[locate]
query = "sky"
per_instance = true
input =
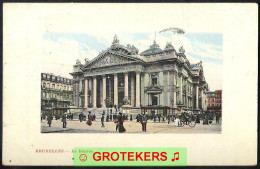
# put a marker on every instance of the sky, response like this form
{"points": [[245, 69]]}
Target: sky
{"points": [[61, 50]]}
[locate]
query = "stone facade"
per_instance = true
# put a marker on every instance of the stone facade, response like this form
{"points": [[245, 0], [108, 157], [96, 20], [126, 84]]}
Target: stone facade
{"points": [[154, 77], [56, 91]]}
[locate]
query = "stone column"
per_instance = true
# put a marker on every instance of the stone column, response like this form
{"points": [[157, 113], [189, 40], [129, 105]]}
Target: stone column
{"points": [[137, 89], [197, 96], [86, 93], [91, 88], [174, 93], [115, 90], [146, 84], [168, 91], [187, 93], [142, 90], [132, 91], [202, 99], [126, 84], [161, 83], [94, 92], [181, 100], [104, 91]]}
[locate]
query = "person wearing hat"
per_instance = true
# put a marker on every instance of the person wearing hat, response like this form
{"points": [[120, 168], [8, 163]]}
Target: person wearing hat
{"points": [[102, 119], [121, 123], [64, 120]]}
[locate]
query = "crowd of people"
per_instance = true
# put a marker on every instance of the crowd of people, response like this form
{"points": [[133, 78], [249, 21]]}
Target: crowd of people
{"points": [[118, 118]]}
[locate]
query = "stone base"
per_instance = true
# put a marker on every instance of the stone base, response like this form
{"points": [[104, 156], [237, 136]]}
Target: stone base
{"points": [[134, 112]]}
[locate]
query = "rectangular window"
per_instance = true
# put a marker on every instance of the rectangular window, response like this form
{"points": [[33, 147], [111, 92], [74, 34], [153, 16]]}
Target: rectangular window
{"points": [[154, 79]]}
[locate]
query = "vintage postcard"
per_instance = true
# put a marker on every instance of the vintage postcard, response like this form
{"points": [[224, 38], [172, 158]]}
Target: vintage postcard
{"points": [[129, 75]]}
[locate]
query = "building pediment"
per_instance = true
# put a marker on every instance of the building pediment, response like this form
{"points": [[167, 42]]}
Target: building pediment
{"points": [[110, 59]]}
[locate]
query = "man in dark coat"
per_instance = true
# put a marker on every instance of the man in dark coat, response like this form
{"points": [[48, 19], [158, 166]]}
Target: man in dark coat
{"points": [[154, 118], [159, 117], [49, 119], [143, 122], [217, 118], [107, 118], [102, 119], [121, 123], [197, 119], [64, 122], [81, 117], [131, 117], [71, 116], [111, 117], [169, 118], [163, 118]]}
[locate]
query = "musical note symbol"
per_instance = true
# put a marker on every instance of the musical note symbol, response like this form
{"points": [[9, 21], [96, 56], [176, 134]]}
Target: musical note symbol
{"points": [[177, 158]]}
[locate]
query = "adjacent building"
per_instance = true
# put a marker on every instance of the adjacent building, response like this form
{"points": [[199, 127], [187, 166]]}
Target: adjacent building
{"points": [[56, 91], [214, 101], [155, 77]]}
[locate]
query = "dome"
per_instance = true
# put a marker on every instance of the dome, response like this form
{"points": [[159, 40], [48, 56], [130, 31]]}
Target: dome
{"points": [[154, 49], [151, 51]]}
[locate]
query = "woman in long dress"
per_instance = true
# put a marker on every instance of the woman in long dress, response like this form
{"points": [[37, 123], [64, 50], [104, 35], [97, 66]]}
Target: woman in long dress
{"points": [[121, 123], [89, 122]]}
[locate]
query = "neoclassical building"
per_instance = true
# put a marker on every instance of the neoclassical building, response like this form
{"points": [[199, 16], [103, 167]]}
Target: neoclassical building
{"points": [[155, 77]]}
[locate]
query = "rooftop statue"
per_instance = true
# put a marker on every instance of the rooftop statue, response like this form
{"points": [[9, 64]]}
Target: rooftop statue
{"points": [[182, 50], [169, 46], [115, 40], [78, 62], [86, 60]]}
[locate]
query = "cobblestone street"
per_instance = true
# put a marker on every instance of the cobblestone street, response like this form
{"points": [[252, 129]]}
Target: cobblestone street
{"points": [[131, 127]]}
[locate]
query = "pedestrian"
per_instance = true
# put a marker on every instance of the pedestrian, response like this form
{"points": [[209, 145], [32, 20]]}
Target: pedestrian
{"points": [[144, 122], [177, 121], [163, 118], [64, 120], [102, 119], [169, 118], [94, 116], [81, 117], [159, 117], [49, 119], [107, 118], [89, 122], [131, 117], [110, 111], [71, 116], [217, 118], [110, 117], [154, 118], [206, 121], [197, 119], [121, 128]]}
